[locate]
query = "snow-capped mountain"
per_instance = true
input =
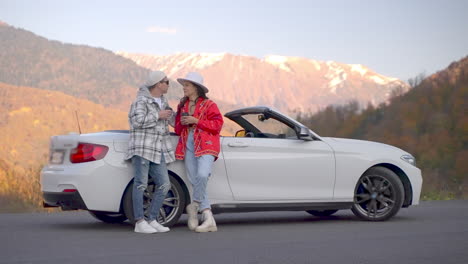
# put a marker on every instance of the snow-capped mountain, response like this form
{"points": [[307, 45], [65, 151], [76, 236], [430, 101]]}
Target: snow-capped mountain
{"points": [[287, 83]]}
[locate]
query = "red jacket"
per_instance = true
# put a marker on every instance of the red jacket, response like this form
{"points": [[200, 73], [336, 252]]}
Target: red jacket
{"points": [[206, 132]]}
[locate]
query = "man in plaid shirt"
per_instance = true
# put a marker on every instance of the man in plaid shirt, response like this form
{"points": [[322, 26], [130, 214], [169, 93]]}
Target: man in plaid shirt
{"points": [[150, 149]]}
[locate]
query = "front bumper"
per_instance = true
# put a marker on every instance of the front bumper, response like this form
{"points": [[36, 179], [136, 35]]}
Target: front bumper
{"points": [[67, 201]]}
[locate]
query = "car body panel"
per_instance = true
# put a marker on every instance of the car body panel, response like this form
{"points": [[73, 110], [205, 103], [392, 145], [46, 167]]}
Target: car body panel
{"points": [[354, 157], [293, 169]]}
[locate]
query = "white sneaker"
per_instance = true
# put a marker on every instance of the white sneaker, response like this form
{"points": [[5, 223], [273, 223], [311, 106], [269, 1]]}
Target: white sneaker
{"points": [[209, 224], [160, 228], [144, 228], [192, 211]]}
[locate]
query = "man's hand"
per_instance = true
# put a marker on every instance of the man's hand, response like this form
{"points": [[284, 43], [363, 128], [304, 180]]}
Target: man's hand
{"points": [[165, 114]]}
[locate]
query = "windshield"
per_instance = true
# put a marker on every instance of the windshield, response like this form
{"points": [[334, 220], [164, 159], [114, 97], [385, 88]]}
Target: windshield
{"points": [[266, 126]]}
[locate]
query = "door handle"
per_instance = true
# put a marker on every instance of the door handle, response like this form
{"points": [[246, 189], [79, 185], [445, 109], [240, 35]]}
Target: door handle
{"points": [[237, 144]]}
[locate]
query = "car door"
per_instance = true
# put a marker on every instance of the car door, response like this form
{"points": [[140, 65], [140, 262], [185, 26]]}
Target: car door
{"points": [[272, 165]]}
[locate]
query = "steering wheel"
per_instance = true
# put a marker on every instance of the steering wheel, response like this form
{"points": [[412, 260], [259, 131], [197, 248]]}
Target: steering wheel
{"points": [[249, 134]]}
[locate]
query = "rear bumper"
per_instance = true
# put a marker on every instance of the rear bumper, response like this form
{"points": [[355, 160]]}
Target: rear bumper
{"points": [[67, 201], [101, 186]]}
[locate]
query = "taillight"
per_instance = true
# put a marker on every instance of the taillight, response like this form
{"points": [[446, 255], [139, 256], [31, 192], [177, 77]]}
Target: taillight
{"points": [[86, 152]]}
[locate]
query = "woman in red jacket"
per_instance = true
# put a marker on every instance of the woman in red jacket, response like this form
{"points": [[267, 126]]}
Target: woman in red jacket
{"points": [[198, 123]]}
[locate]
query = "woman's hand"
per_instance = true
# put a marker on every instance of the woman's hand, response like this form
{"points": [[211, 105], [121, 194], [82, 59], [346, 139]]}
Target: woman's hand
{"points": [[188, 120]]}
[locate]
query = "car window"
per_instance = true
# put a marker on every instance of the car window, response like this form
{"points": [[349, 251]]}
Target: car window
{"points": [[270, 127], [229, 128]]}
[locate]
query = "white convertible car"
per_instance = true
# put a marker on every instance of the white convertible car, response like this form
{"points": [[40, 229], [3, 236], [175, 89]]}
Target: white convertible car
{"points": [[272, 163]]}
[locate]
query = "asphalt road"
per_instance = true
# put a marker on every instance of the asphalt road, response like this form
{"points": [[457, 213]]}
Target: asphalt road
{"points": [[433, 232]]}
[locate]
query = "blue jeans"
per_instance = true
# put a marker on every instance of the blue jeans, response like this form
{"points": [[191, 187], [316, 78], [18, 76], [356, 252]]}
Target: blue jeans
{"points": [[198, 171], [158, 172]]}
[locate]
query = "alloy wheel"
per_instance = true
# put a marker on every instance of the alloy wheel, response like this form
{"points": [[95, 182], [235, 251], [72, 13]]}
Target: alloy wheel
{"points": [[375, 196], [170, 205]]}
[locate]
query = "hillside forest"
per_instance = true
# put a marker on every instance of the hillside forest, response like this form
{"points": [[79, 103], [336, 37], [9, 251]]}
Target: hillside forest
{"points": [[430, 121]]}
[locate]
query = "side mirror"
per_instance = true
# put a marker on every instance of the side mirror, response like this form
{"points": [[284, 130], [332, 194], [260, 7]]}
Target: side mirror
{"points": [[240, 133], [305, 134]]}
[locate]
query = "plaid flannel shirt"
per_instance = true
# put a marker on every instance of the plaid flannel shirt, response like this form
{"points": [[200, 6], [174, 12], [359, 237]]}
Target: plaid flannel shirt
{"points": [[149, 136]]}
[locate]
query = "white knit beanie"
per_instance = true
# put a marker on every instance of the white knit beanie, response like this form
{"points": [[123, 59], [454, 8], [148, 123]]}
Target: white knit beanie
{"points": [[154, 77]]}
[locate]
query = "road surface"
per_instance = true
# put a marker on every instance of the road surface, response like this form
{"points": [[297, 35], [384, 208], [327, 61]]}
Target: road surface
{"points": [[433, 232]]}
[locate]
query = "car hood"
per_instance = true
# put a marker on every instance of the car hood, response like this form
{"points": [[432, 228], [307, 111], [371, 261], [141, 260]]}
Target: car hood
{"points": [[355, 145]]}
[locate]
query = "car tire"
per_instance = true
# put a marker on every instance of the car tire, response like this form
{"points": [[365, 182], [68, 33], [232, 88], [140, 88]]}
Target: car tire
{"points": [[321, 212], [173, 205], [378, 196], [108, 217]]}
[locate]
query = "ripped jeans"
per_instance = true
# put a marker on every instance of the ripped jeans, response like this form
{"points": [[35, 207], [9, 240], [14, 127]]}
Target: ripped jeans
{"points": [[198, 171], [158, 172]]}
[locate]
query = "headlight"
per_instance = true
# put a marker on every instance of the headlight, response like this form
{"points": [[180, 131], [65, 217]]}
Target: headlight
{"points": [[410, 159]]}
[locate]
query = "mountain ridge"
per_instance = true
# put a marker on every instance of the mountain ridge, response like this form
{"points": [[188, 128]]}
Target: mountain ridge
{"points": [[287, 83], [99, 75], [96, 74]]}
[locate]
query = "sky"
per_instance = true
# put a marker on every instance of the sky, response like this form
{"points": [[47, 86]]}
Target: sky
{"points": [[396, 38]]}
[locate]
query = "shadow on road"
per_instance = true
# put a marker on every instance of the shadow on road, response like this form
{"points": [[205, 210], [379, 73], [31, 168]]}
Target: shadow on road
{"points": [[227, 220], [93, 225]]}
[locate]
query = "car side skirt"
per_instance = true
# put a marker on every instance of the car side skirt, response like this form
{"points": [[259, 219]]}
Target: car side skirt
{"points": [[256, 207]]}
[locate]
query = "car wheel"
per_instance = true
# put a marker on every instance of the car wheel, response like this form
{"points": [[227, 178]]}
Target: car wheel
{"points": [[173, 205], [108, 217], [378, 195], [322, 212]]}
